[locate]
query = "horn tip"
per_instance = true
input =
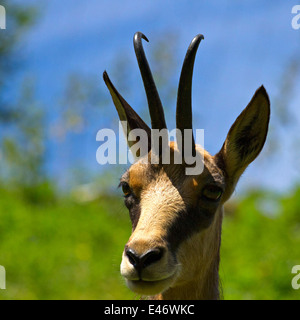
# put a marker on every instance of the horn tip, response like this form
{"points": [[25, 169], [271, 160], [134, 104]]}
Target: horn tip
{"points": [[198, 38], [139, 35]]}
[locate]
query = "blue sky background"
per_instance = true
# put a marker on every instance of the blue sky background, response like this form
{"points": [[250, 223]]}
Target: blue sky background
{"points": [[247, 43]]}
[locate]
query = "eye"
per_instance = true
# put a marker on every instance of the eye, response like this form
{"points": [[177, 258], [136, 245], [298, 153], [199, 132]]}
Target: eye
{"points": [[213, 193], [126, 189]]}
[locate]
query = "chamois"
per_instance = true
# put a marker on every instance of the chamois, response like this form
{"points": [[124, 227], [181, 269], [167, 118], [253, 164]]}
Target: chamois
{"points": [[174, 249]]}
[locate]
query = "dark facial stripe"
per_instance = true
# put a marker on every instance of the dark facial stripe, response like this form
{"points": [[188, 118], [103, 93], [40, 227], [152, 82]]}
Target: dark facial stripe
{"points": [[189, 222], [134, 208]]}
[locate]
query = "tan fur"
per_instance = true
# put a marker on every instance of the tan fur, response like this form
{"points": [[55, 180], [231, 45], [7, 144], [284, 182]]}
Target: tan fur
{"points": [[200, 279], [163, 193], [174, 249], [166, 193]]}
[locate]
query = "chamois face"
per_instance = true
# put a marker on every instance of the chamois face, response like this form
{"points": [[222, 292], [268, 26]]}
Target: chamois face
{"points": [[167, 209], [176, 217]]}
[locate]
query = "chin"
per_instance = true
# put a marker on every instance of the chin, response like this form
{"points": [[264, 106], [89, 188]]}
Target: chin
{"points": [[149, 288]]}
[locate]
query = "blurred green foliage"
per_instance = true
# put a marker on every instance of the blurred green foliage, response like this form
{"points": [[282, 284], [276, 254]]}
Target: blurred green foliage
{"points": [[260, 245], [60, 249], [57, 249]]}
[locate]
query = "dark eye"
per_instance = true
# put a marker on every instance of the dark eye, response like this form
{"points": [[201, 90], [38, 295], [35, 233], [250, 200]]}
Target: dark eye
{"points": [[213, 193], [126, 189]]}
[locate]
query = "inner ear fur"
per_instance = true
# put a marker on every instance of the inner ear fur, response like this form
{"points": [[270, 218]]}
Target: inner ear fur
{"points": [[246, 137]]}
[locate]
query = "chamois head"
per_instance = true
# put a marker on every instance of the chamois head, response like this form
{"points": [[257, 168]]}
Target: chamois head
{"points": [[176, 218]]}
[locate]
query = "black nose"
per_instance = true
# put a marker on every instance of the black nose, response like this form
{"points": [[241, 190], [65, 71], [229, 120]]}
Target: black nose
{"points": [[142, 261]]}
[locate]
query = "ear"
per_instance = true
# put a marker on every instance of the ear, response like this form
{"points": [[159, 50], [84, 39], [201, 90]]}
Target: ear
{"points": [[126, 113], [245, 138]]}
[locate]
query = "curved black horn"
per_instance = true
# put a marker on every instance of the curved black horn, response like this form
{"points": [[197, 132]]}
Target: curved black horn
{"points": [[184, 96], [155, 106]]}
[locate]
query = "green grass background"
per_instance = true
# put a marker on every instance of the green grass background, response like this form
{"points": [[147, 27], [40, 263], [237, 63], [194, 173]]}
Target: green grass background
{"points": [[59, 249]]}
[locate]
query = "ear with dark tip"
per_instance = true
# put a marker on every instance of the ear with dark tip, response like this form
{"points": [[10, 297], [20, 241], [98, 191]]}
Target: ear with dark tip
{"points": [[245, 138], [126, 113]]}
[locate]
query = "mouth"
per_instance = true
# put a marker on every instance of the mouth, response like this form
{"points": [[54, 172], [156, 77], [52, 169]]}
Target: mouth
{"points": [[146, 287]]}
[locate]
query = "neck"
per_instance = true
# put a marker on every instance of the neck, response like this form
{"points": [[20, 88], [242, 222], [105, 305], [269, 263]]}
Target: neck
{"points": [[204, 288], [205, 285]]}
